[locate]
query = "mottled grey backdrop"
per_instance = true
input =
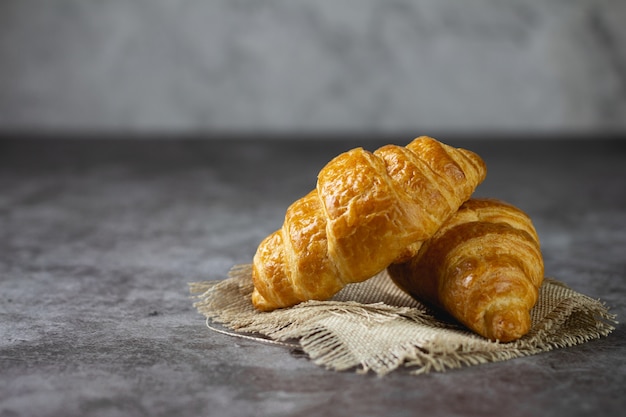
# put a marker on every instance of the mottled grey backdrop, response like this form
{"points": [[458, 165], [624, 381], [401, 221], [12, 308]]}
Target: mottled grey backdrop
{"points": [[313, 66]]}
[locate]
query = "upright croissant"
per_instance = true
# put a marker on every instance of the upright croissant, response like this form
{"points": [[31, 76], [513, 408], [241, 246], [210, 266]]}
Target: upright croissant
{"points": [[483, 266], [367, 210]]}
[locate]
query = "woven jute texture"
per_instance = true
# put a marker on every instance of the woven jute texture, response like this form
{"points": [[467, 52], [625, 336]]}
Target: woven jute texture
{"points": [[374, 326]]}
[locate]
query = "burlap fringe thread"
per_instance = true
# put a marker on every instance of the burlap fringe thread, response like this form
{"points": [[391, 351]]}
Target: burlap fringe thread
{"points": [[374, 326]]}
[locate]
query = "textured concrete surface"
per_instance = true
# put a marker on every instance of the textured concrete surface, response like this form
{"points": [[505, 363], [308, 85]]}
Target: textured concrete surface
{"points": [[98, 240], [327, 65]]}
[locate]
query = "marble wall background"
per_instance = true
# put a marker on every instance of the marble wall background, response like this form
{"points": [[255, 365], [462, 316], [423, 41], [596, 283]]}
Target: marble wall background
{"points": [[314, 66]]}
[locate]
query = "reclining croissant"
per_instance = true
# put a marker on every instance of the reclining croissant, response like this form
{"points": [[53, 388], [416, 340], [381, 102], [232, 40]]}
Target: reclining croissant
{"points": [[368, 210]]}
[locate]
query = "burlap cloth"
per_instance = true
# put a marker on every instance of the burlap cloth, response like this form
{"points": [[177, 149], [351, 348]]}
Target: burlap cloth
{"points": [[374, 326]]}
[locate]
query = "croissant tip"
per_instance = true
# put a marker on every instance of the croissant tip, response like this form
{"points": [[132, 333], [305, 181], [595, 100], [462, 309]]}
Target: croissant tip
{"points": [[259, 302], [507, 325]]}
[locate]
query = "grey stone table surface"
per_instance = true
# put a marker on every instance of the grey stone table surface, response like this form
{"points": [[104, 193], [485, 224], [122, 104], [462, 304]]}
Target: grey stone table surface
{"points": [[99, 238]]}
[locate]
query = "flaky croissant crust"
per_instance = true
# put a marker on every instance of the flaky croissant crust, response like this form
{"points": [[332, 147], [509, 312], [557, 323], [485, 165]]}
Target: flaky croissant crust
{"points": [[367, 210], [483, 266]]}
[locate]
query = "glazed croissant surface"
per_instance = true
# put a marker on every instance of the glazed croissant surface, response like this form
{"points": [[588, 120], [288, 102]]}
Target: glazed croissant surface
{"points": [[368, 209], [483, 266]]}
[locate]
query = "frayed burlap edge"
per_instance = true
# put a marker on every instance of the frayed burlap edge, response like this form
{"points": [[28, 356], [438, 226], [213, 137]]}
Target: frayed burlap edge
{"points": [[373, 326]]}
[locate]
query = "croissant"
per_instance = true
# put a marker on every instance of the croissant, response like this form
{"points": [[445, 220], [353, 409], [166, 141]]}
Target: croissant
{"points": [[366, 211], [483, 266]]}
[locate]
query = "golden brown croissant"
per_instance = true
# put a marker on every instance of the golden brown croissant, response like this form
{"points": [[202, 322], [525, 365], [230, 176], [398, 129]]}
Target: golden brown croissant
{"points": [[483, 266], [366, 209]]}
